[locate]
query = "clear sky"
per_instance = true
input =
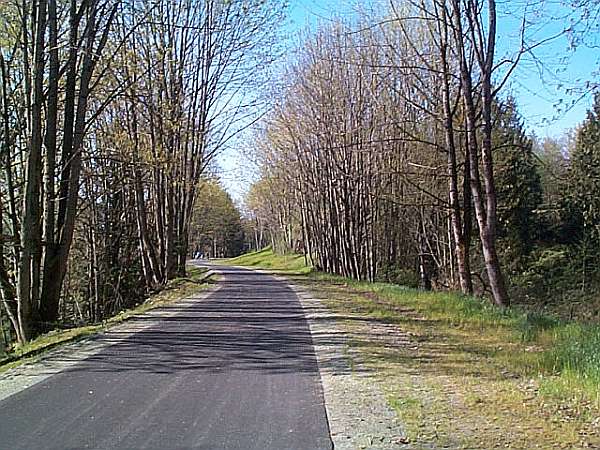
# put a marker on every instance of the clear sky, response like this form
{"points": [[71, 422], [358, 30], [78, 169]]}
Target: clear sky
{"points": [[547, 86], [538, 83], [550, 84]]}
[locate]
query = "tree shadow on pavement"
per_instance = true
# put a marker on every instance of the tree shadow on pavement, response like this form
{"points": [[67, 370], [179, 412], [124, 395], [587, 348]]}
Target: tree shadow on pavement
{"points": [[252, 323]]}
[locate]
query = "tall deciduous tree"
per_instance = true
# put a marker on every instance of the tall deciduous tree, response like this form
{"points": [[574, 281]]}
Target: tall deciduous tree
{"points": [[46, 96], [143, 93], [216, 229]]}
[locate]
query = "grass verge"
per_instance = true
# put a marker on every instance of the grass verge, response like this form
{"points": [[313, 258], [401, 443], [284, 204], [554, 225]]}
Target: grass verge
{"points": [[176, 289], [266, 259], [460, 372]]}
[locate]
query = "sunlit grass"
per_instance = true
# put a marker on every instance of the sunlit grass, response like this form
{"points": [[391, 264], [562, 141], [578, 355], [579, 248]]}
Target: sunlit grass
{"points": [[267, 259], [478, 376], [563, 355], [546, 345]]}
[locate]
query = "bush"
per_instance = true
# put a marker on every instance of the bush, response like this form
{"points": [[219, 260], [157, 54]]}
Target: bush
{"points": [[396, 274]]}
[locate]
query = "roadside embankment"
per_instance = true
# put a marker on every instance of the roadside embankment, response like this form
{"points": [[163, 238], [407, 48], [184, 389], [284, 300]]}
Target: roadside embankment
{"points": [[459, 372]]}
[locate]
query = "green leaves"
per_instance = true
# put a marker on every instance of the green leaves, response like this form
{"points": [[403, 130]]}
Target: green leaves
{"points": [[216, 230], [584, 173]]}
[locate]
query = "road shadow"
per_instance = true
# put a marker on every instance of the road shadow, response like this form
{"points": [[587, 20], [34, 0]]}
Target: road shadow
{"points": [[254, 322]]}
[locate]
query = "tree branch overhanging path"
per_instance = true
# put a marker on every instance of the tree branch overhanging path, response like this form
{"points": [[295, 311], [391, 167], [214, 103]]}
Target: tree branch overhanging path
{"points": [[111, 107]]}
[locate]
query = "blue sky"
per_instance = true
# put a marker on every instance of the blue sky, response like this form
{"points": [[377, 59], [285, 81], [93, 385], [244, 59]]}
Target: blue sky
{"points": [[542, 85], [536, 86], [549, 85]]}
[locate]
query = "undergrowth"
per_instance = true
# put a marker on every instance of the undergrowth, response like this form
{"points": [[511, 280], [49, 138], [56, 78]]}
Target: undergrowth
{"points": [[564, 354], [176, 289]]}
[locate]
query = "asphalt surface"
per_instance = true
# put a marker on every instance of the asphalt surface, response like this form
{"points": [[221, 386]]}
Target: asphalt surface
{"points": [[236, 370]]}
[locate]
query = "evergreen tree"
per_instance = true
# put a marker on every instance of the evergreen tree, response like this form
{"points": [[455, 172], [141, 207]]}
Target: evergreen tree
{"points": [[553, 166], [583, 202], [518, 183]]}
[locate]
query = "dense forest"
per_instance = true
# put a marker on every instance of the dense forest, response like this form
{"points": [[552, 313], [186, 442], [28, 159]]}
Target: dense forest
{"points": [[390, 150], [395, 153], [112, 112]]}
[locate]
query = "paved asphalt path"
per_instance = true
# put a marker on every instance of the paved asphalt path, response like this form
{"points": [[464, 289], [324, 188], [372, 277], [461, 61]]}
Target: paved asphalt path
{"points": [[235, 370]]}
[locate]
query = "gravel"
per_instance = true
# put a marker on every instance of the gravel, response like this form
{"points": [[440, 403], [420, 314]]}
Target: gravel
{"points": [[49, 363], [358, 411]]}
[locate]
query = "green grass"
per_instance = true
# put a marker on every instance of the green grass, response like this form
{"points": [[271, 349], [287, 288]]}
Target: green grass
{"points": [[267, 259], [176, 289], [568, 349], [575, 356], [510, 377]]}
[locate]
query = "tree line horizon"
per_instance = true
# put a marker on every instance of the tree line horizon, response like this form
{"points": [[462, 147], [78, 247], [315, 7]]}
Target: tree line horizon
{"points": [[388, 150]]}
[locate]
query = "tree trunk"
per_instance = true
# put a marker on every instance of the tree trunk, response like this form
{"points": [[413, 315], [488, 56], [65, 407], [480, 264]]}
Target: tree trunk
{"points": [[28, 289], [485, 207]]}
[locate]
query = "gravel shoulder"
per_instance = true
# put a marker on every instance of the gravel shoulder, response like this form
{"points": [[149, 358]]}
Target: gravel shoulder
{"points": [[64, 356], [358, 411]]}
